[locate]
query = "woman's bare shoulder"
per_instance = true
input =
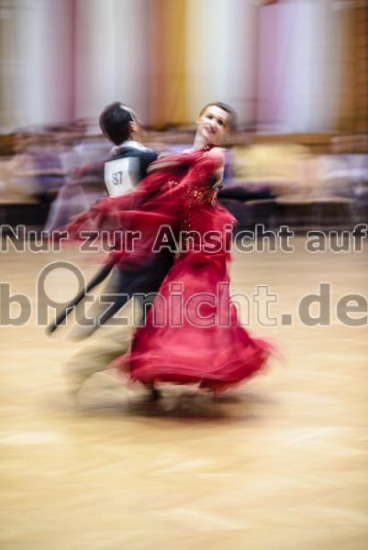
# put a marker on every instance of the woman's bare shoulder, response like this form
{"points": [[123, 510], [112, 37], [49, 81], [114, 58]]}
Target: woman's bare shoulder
{"points": [[217, 153]]}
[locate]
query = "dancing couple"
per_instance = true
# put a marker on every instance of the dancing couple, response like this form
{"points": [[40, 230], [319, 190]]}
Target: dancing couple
{"points": [[191, 333]]}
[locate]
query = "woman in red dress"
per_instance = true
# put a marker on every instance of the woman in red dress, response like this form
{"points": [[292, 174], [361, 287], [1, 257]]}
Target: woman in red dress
{"points": [[192, 334]]}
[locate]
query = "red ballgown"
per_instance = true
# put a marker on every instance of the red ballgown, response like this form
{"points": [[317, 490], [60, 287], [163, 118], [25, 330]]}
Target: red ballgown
{"points": [[192, 332]]}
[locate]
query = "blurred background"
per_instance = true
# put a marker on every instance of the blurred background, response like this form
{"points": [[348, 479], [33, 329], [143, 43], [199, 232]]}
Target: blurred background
{"points": [[295, 71]]}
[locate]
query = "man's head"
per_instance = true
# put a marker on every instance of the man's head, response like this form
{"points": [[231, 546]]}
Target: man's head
{"points": [[118, 122]]}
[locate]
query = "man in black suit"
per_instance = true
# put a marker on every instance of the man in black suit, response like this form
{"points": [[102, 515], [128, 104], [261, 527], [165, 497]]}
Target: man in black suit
{"points": [[123, 169]]}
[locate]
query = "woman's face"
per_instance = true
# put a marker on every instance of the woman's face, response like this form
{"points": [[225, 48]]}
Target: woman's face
{"points": [[213, 124]]}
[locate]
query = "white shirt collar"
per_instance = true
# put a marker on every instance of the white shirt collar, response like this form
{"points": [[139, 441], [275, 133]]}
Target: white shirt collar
{"points": [[129, 143]]}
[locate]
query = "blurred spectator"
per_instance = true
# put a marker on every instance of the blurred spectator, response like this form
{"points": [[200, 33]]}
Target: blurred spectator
{"points": [[343, 172], [79, 192], [259, 173], [36, 169]]}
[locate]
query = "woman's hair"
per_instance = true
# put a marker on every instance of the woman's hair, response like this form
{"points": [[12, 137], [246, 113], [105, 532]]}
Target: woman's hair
{"points": [[115, 122], [225, 107]]}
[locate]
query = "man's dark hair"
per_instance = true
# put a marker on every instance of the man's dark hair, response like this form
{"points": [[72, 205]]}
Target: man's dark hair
{"points": [[225, 107], [115, 122]]}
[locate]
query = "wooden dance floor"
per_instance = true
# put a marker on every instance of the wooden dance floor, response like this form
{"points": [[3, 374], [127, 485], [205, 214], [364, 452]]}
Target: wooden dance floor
{"points": [[279, 463]]}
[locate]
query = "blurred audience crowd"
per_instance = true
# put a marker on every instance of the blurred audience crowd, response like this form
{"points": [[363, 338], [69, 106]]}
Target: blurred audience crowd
{"points": [[270, 180]]}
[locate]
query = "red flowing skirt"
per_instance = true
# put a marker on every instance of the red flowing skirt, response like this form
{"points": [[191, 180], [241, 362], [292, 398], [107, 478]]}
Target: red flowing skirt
{"points": [[192, 333]]}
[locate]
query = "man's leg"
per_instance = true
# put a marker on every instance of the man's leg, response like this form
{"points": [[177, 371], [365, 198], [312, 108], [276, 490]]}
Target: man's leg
{"points": [[112, 298], [122, 286], [95, 356]]}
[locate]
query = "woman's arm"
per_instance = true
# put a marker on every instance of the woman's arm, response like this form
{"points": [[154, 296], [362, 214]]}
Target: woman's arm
{"points": [[217, 154], [181, 160]]}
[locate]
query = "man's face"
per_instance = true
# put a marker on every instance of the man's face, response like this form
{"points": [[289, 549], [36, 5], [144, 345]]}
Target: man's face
{"points": [[136, 123]]}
